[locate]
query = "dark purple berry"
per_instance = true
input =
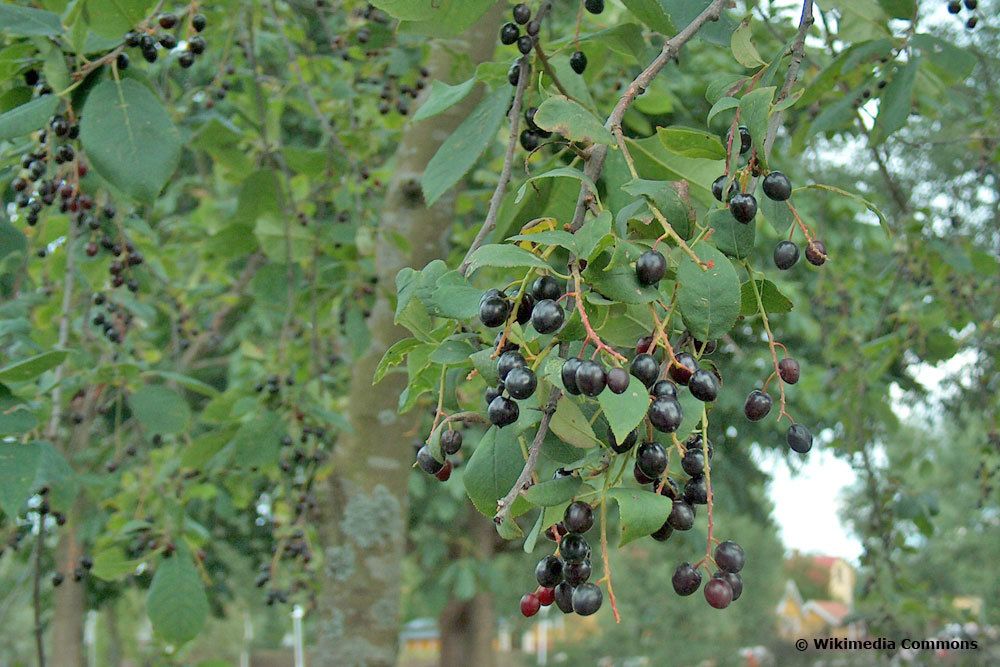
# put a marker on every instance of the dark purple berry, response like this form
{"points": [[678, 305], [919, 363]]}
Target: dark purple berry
{"points": [[651, 460], [730, 557], [704, 386], [502, 411], [786, 254], [743, 206], [799, 438], [777, 186], [625, 445], [666, 414], [591, 378], [509, 34], [757, 405], [618, 380], [686, 579], [549, 572], [579, 517], [645, 368], [789, 370], [547, 316], [568, 375], [574, 548], [587, 599], [718, 592], [521, 383], [650, 268], [682, 368], [578, 61], [816, 253], [546, 287]]}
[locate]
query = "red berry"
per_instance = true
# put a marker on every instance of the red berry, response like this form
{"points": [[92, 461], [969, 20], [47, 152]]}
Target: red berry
{"points": [[546, 596], [530, 604]]}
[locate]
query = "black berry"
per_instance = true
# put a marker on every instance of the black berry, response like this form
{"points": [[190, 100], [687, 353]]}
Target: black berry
{"points": [[578, 61], [686, 579], [650, 268], [665, 414], [789, 370], [579, 517], [681, 515], [730, 556], [617, 380], [743, 206], [502, 411], [521, 383], [590, 378], [799, 438], [574, 548], [777, 186], [525, 43], [564, 598], [816, 253], [427, 462], [577, 573], [451, 442], [682, 368], [719, 189], [696, 491], [587, 599], [546, 287], [549, 572], [786, 254], [735, 582], [522, 13], [507, 362], [509, 34], [651, 460], [645, 368], [664, 389], [693, 462], [494, 311], [547, 316], [757, 405], [704, 386], [594, 6], [529, 140], [568, 374]]}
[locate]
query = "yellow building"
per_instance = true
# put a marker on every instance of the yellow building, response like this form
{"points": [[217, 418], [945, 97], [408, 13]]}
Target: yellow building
{"points": [[820, 617]]}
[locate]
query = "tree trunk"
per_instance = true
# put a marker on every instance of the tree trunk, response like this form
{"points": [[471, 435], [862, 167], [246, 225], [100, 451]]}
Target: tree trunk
{"points": [[364, 531], [68, 607], [468, 627]]}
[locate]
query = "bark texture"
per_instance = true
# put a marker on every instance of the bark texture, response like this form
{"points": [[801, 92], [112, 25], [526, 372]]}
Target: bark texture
{"points": [[364, 530]]}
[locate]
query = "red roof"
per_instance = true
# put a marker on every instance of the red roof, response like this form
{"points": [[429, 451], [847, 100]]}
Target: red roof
{"points": [[835, 609]]}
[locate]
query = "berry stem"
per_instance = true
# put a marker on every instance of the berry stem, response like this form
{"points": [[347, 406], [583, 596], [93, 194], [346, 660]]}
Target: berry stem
{"points": [[799, 222], [605, 562], [771, 344], [504, 504], [708, 482], [592, 336]]}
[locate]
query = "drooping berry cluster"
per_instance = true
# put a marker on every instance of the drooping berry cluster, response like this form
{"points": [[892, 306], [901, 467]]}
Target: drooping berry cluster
{"points": [[955, 7], [149, 40], [563, 578]]}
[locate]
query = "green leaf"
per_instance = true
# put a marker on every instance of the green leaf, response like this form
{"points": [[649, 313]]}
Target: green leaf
{"points": [[492, 470], [454, 297], [394, 356], [129, 138], [591, 236], [461, 150], [504, 256], [452, 352], [186, 381], [28, 117], [625, 411], [895, 102], [25, 468], [776, 213], [743, 49], [563, 115], [176, 604], [443, 97], [111, 564], [17, 420], [858, 198], [723, 104], [690, 142], [731, 237], [560, 172], [663, 195], [113, 18], [32, 367], [160, 409], [653, 14], [641, 512], [257, 443], [616, 280], [755, 110], [553, 491], [438, 18], [27, 21], [570, 424], [709, 300], [772, 298]]}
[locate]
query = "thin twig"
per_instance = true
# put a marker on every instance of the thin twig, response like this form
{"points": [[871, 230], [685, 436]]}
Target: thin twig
{"points": [[63, 339], [508, 164], [798, 52], [505, 504], [36, 592], [595, 165]]}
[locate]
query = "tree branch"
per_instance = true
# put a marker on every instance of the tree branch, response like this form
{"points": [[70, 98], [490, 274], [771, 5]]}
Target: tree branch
{"points": [[36, 592], [508, 164], [798, 51], [505, 504], [595, 165]]}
